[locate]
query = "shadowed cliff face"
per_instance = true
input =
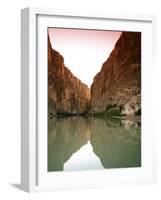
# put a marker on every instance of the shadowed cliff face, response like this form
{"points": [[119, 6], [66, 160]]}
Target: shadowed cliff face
{"points": [[119, 81], [117, 87], [66, 93]]}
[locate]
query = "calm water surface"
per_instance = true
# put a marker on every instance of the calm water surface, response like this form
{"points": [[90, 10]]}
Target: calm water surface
{"points": [[81, 143]]}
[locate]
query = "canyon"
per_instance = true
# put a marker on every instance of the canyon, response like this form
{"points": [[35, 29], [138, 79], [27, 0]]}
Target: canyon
{"points": [[116, 89], [67, 95]]}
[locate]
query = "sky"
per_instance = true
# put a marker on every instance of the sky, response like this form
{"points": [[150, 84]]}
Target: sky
{"points": [[84, 51]]}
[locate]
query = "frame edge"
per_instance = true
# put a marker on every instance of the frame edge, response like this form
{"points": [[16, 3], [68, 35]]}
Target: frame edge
{"points": [[25, 99]]}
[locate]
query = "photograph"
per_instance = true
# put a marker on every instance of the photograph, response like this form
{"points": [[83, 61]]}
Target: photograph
{"points": [[94, 99]]}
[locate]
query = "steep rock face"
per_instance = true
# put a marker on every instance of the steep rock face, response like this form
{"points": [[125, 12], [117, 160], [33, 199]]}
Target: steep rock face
{"points": [[119, 80], [66, 93], [133, 106]]}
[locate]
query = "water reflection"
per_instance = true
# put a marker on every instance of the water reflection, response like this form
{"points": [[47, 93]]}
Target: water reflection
{"points": [[80, 143], [116, 146], [66, 135]]}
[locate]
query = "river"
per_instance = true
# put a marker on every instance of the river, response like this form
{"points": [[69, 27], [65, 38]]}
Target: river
{"points": [[90, 143]]}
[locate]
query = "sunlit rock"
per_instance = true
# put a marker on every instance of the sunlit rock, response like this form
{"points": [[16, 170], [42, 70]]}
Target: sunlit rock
{"points": [[133, 106], [119, 79]]}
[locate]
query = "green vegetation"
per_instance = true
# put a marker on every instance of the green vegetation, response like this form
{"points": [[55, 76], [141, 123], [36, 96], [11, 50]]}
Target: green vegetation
{"points": [[114, 111]]}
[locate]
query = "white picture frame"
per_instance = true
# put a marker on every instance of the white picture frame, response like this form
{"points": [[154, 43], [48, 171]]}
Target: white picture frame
{"points": [[34, 22]]}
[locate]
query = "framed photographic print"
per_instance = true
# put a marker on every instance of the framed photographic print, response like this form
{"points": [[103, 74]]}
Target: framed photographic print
{"points": [[86, 99]]}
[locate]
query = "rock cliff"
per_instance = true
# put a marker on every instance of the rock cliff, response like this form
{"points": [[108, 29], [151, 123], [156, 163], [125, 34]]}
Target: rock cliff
{"points": [[66, 93], [118, 84]]}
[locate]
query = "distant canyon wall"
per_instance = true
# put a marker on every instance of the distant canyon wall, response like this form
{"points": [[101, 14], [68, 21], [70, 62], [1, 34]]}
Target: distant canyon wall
{"points": [[118, 84], [66, 93]]}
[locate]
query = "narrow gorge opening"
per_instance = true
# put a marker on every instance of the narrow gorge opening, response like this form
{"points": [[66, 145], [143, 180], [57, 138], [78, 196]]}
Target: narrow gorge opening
{"points": [[94, 101], [112, 88]]}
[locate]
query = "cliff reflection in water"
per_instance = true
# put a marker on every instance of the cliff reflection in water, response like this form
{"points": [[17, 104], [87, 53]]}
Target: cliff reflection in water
{"points": [[117, 143]]}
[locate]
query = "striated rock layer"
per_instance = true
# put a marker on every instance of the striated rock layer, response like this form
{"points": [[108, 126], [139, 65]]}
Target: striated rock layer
{"points": [[66, 93], [118, 84]]}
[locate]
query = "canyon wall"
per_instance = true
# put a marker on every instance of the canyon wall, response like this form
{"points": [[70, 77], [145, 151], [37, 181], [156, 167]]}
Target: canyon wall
{"points": [[118, 84], [66, 93]]}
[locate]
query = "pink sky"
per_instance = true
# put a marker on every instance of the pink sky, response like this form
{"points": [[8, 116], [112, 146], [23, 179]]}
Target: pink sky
{"points": [[84, 51]]}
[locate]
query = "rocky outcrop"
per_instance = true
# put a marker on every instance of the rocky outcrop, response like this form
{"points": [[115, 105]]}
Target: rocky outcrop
{"points": [[118, 84], [66, 93], [133, 106]]}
